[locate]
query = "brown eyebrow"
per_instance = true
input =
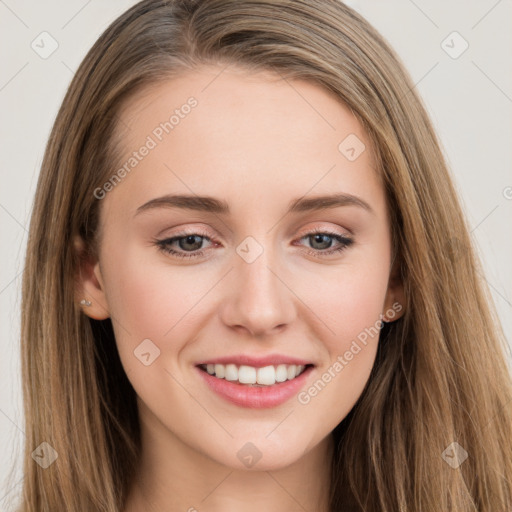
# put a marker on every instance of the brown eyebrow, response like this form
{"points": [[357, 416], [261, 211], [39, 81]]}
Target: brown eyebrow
{"points": [[212, 205]]}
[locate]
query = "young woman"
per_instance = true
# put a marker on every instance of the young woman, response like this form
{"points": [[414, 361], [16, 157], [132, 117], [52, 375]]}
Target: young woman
{"points": [[249, 283]]}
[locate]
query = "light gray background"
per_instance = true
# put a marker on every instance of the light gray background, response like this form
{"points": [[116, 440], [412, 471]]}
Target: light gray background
{"points": [[469, 99]]}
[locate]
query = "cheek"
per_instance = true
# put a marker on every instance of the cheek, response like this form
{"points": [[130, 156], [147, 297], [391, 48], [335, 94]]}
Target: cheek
{"points": [[349, 311], [147, 299], [348, 302], [147, 296], [156, 303]]}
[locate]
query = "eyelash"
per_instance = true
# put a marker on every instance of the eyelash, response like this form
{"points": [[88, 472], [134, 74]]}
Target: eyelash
{"points": [[164, 245]]}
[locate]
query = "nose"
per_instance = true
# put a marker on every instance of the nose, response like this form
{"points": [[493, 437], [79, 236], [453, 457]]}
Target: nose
{"points": [[258, 299]]}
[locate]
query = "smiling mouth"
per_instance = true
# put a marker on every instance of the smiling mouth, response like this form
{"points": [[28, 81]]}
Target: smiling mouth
{"points": [[252, 376]]}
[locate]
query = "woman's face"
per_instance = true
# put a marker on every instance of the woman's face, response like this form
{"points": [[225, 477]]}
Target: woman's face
{"points": [[249, 277]]}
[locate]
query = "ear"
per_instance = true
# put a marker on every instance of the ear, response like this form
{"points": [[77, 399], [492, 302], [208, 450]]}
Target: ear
{"points": [[89, 288], [394, 303]]}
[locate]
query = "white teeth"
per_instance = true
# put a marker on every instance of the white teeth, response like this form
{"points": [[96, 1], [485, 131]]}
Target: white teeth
{"points": [[247, 375], [265, 376], [220, 371], [281, 373], [231, 372]]}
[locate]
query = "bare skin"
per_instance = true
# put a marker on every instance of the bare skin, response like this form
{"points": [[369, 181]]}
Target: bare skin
{"points": [[257, 143]]}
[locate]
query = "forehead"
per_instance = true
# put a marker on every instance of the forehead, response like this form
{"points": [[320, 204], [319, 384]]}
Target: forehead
{"points": [[243, 98], [247, 135]]}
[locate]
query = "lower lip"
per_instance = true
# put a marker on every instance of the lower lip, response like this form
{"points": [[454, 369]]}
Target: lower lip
{"points": [[254, 397]]}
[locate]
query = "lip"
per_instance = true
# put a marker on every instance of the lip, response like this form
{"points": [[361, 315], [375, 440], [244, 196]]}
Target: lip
{"points": [[254, 397], [257, 362]]}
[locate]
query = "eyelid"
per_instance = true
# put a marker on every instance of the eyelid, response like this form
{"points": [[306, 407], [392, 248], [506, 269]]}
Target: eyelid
{"points": [[326, 230], [302, 233], [343, 243], [187, 230]]}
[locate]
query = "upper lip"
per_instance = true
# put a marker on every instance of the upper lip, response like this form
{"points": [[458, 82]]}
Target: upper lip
{"points": [[257, 361]]}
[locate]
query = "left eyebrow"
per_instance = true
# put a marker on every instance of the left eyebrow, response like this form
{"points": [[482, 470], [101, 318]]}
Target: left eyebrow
{"points": [[326, 202], [213, 205]]}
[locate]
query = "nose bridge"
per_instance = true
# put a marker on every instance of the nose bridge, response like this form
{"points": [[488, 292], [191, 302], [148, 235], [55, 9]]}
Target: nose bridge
{"points": [[258, 300]]}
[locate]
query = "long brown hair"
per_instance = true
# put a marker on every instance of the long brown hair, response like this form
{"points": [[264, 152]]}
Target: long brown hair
{"points": [[440, 374]]}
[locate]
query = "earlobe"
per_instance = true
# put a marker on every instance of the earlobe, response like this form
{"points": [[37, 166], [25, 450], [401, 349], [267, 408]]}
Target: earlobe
{"points": [[89, 289], [394, 304], [393, 310]]}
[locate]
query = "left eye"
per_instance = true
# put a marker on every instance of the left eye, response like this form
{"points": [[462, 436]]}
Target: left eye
{"points": [[191, 243], [320, 237]]}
